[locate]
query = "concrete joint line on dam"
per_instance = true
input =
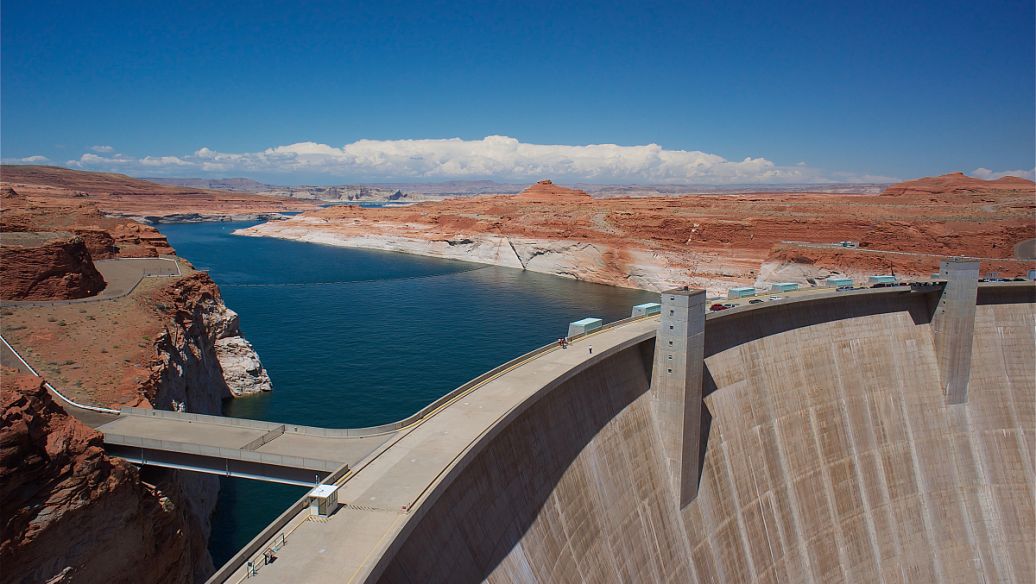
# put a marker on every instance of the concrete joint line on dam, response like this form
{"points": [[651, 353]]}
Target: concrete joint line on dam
{"points": [[953, 327], [676, 390]]}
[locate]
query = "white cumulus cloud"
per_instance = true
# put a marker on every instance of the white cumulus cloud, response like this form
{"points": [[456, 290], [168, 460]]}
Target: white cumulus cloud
{"points": [[102, 149], [35, 159], [986, 174], [493, 157]]}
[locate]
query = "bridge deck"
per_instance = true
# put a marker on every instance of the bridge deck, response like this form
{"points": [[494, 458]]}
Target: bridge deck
{"points": [[233, 447], [182, 431]]}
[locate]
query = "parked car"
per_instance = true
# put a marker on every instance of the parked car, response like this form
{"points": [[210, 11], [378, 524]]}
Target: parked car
{"points": [[717, 307], [729, 305], [756, 301], [776, 298]]}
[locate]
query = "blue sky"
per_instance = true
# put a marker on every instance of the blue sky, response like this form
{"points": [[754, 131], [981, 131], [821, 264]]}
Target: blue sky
{"points": [[686, 92]]}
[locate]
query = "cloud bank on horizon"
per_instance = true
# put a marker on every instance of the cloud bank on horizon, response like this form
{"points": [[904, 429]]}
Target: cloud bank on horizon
{"points": [[493, 157]]}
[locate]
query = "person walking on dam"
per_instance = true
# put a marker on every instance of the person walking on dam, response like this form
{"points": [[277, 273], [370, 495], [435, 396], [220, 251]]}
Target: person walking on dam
{"points": [[591, 347]]}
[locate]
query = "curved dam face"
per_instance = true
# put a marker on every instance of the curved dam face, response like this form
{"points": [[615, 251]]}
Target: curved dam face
{"points": [[830, 455]]}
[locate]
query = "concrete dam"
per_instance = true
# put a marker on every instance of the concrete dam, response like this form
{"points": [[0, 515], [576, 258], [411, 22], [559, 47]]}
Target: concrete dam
{"points": [[829, 445]]}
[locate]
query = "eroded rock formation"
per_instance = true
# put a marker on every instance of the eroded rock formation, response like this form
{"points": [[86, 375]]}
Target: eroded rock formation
{"points": [[70, 513], [47, 266]]}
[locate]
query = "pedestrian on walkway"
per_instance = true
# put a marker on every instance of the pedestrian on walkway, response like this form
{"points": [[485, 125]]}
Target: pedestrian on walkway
{"points": [[591, 347]]}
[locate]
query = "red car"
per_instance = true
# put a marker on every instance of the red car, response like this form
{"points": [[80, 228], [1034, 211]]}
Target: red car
{"points": [[717, 306]]}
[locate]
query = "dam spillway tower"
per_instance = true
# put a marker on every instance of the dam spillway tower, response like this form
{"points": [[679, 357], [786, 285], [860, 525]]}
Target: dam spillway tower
{"points": [[676, 386], [953, 327]]}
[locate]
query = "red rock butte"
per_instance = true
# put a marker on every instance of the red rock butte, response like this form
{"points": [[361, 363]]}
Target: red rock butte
{"points": [[545, 191], [956, 183]]}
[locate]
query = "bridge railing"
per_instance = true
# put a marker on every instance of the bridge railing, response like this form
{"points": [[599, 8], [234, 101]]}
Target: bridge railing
{"points": [[53, 389]]}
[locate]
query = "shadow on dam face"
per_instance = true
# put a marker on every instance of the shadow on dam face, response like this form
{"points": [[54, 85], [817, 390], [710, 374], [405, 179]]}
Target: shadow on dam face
{"points": [[492, 507], [829, 454]]}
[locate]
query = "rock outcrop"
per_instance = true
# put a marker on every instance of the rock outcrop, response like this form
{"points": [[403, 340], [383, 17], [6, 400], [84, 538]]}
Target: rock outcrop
{"points": [[545, 191], [958, 183], [242, 370], [47, 266], [201, 358], [72, 514]]}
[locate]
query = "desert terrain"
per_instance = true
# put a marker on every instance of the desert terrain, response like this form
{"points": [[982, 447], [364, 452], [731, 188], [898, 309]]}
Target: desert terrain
{"points": [[709, 241], [119, 195]]}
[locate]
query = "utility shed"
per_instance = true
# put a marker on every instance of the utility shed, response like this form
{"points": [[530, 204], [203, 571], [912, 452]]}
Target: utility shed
{"points": [[646, 309], [839, 282], [323, 500], [587, 325], [886, 279], [741, 292], [784, 287]]}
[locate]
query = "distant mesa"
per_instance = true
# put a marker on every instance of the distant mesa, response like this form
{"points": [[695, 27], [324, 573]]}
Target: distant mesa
{"points": [[545, 191], [958, 183]]}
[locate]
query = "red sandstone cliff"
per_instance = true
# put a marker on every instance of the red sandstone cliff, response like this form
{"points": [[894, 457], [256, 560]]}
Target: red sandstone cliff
{"points": [[72, 514], [47, 266]]}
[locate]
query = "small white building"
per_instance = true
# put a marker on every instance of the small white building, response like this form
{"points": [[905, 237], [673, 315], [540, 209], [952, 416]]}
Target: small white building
{"points": [[882, 279], [783, 287], [323, 500]]}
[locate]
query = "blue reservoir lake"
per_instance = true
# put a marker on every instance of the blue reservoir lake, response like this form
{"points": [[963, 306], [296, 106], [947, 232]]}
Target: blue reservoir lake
{"points": [[356, 338]]}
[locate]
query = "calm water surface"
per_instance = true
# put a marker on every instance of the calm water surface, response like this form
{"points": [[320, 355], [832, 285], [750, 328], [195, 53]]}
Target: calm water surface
{"points": [[358, 338]]}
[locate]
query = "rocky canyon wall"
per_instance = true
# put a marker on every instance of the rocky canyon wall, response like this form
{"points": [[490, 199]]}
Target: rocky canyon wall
{"points": [[70, 513]]}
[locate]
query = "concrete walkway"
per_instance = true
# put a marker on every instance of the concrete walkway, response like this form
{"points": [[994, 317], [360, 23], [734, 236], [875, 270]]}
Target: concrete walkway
{"points": [[381, 492]]}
